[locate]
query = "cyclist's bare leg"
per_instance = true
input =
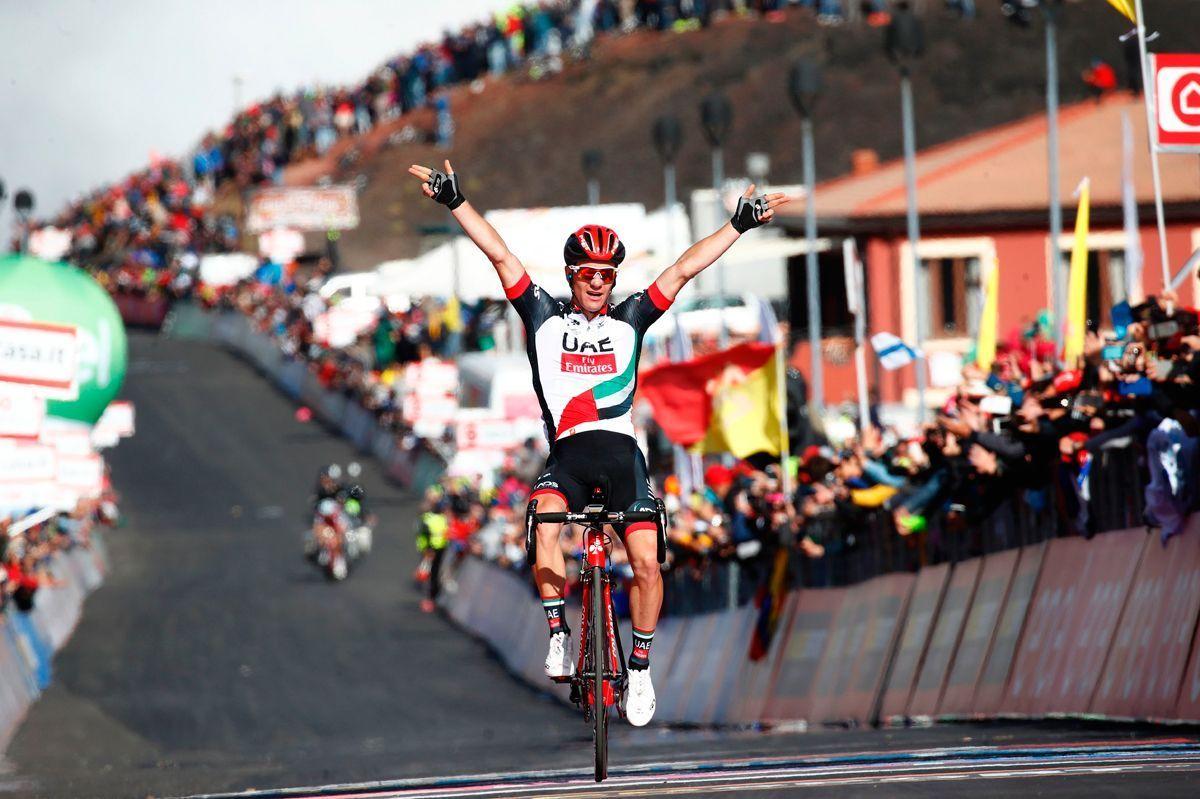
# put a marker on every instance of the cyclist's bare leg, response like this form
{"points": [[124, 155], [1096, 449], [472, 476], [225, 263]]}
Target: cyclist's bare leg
{"points": [[550, 568], [645, 596]]}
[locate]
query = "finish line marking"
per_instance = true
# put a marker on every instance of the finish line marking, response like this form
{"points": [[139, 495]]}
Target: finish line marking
{"points": [[947, 764]]}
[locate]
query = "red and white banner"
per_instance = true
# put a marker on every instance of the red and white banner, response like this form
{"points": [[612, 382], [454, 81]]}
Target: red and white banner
{"points": [[21, 463], [21, 412], [1177, 100], [39, 355], [315, 209], [67, 437], [81, 473], [115, 423]]}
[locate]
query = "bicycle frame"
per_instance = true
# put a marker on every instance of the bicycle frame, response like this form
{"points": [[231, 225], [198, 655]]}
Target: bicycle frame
{"points": [[615, 676]]}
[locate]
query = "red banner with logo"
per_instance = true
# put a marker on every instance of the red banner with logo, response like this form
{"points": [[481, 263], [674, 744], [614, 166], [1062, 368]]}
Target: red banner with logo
{"points": [[944, 641], [1150, 651], [1078, 601], [918, 624], [803, 634], [978, 633]]}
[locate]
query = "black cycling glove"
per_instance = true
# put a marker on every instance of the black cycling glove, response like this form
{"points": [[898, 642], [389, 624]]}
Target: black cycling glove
{"points": [[749, 214], [445, 190]]}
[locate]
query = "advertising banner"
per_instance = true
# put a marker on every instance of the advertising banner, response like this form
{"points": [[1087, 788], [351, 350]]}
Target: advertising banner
{"points": [[310, 208], [693, 653], [40, 357], [944, 642], [27, 462], [709, 699], [918, 623], [1149, 652], [803, 633], [989, 694], [60, 294], [855, 672], [21, 412], [1079, 598], [978, 631]]}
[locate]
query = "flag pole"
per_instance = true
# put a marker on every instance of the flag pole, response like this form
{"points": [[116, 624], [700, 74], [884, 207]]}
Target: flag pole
{"points": [[857, 300], [1148, 95], [785, 455]]}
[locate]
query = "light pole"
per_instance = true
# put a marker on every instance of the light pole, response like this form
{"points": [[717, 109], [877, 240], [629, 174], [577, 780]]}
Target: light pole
{"points": [[23, 202], [1018, 14], [804, 84], [716, 117], [593, 161], [668, 138], [904, 42]]}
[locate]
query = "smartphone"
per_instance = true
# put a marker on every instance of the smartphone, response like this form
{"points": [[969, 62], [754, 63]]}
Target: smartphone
{"points": [[1112, 352], [1163, 330]]}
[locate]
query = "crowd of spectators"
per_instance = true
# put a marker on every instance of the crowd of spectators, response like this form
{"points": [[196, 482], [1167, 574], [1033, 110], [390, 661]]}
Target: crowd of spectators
{"points": [[1076, 451], [27, 554], [144, 235]]}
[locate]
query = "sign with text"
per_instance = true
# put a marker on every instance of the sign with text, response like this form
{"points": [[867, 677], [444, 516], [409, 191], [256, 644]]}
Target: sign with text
{"points": [[314, 209], [44, 357], [1177, 101], [27, 462], [21, 412]]}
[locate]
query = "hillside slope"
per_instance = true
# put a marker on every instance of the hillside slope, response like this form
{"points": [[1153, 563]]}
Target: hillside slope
{"points": [[519, 141]]}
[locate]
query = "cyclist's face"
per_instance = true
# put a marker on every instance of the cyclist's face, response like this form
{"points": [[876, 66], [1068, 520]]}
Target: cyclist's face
{"points": [[592, 285]]}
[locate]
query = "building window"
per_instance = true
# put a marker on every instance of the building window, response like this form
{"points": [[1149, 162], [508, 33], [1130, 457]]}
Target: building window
{"points": [[836, 319], [1105, 284], [954, 297]]}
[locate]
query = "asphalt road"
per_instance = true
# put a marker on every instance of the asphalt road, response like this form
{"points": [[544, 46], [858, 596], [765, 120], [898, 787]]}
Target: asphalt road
{"points": [[215, 660]]}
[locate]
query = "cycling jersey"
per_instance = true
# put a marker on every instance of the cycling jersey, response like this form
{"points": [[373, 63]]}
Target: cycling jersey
{"points": [[584, 371]]}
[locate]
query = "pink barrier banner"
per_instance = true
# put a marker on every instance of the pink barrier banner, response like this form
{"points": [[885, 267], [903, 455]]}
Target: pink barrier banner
{"points": [[851, 677], [943, 643], [802, 635], [1074, 614], [690, 672], [753, 681], [989, 694], [918, 624], [1150, 651], [729, 644], [978, 633], [668, 635]]}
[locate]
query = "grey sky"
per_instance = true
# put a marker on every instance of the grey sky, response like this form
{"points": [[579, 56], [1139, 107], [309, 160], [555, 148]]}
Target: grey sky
{"points": [[88, 88]]}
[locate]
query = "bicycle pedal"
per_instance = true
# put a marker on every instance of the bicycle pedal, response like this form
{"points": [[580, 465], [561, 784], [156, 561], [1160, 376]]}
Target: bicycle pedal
{"points": [[561, 680]]}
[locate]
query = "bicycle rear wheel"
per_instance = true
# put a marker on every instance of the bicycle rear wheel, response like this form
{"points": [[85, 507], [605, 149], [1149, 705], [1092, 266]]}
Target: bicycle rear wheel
{"points": [[599, 644]]}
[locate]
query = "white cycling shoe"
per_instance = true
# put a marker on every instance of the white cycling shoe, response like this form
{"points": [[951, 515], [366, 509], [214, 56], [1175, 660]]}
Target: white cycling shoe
{"points": [[639, 698], [559, 660]]}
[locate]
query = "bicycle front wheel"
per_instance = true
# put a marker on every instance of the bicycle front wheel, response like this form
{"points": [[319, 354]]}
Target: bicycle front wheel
{"points": [[599, 643]]}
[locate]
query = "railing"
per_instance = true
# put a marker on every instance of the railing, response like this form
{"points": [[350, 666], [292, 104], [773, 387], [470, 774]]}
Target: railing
{"points": [[870, 545]]}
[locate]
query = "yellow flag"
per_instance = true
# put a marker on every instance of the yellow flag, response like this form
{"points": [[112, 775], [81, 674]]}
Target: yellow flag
{"points": [[1077, 284], [1126, 7], [985, 348], [745, 417]]}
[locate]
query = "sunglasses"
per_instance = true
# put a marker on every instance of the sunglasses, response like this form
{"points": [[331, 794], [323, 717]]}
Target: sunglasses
{"points": [[607, 275]]}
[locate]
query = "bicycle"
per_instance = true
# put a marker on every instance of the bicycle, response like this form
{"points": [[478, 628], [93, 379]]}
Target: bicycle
{"points": [[596, 688]]}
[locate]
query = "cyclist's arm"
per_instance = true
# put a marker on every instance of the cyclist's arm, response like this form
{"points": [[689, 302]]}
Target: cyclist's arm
{"points": [[696, 259], [478, 230], [704, 253]]}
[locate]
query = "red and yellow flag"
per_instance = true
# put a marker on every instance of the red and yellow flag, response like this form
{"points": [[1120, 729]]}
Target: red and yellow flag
{"points": [[724, 402]]}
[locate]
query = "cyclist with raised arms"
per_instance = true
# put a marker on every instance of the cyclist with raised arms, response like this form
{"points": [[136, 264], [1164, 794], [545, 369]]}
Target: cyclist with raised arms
{"points": [[584, 354]]}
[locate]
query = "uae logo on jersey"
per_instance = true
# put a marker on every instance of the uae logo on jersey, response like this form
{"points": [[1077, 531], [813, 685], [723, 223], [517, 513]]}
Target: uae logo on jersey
{"points": [[587, 357]]}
